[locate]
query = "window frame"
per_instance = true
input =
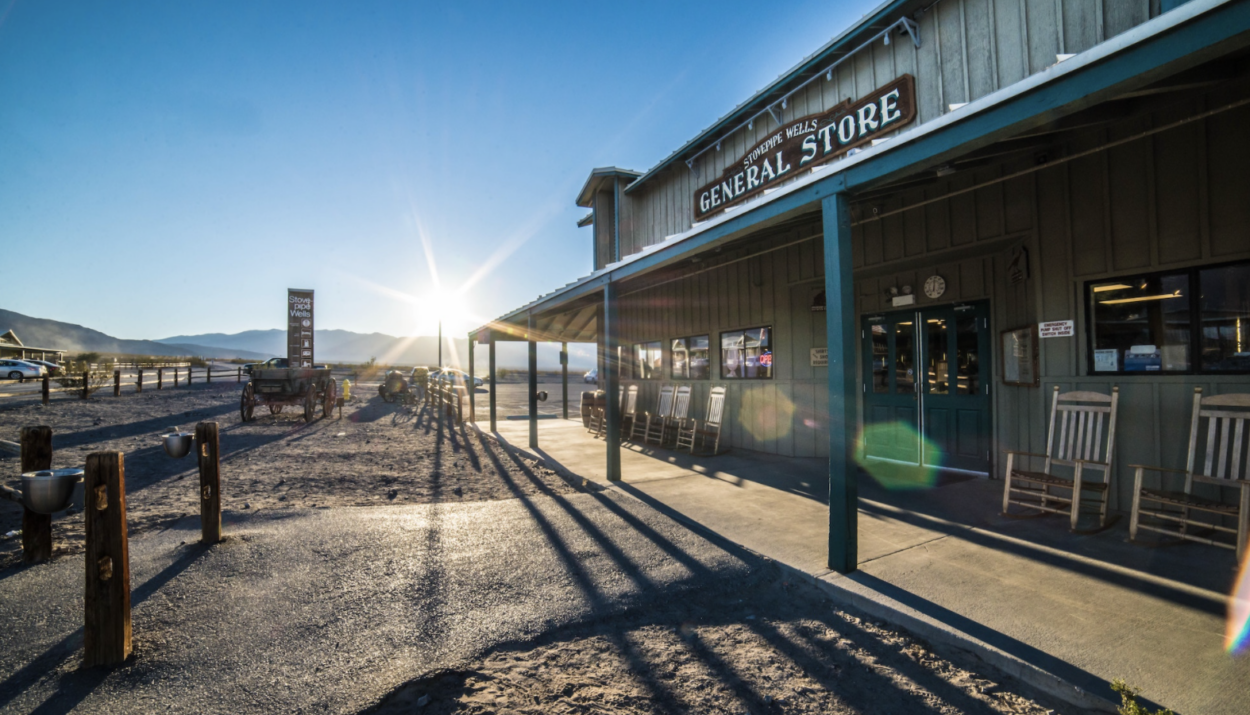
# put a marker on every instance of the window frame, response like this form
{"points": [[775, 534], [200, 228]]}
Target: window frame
{"points": [[672, 363], [720, 350], [636, 360], [1193, 276]]}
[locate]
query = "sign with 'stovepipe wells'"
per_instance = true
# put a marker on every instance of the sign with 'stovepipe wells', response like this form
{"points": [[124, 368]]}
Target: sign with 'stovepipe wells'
{"points": [[299, 327], [808, 142]]}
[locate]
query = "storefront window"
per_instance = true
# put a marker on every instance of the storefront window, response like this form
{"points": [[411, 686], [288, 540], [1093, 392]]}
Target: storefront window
{"points": [[747, 354], [1150, 323], [880, 359], [690, 358], [1224, 318], [647, 361], [904, 374]]}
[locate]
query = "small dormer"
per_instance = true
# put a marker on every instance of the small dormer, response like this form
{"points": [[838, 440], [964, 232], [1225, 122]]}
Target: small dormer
{"points": [[602, 195]]}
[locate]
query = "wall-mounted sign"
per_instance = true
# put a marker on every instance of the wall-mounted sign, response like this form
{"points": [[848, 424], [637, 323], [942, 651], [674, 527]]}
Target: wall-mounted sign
{"points": [[820, 357], [1056, 329], [299, 327], [1018, 351], [807, 142]]}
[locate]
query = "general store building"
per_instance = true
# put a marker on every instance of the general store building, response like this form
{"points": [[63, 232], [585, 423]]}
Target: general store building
{"points": [[868, 246]]}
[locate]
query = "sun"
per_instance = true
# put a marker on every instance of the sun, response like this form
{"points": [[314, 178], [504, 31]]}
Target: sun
{"points": [[443, 306]]}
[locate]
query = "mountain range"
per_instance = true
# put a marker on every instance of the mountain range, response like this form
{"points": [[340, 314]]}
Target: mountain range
{"points": [[335, 346], [45, 333]]}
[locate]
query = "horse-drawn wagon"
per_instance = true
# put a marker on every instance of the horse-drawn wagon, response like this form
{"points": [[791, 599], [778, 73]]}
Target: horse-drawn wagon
{"points": [[276, 388]]}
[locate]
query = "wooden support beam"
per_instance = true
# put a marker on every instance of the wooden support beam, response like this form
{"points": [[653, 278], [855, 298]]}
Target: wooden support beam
{"points": [[532, 343], [564, 375], [175, 377], [609, 337], [46, 390], [107, 630], [139, 381], [492, 382], [843, 418], [117, 383], [160, 378], [36, 528], [472, 390], [208, 453]]}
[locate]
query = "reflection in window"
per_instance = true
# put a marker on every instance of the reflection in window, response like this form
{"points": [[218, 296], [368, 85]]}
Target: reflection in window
{"points": [[1142, 324], [747, 354], [904, 374], [690, 358], [1224, 338], [967, 365], [647, 361], [937, 364], [880, 360]]}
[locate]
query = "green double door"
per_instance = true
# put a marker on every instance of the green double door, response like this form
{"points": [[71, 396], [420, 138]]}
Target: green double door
{"points": [[927, 386]]}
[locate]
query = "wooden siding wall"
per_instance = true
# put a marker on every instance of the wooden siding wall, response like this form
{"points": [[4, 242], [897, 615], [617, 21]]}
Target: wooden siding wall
{"points": [[969, 48]]}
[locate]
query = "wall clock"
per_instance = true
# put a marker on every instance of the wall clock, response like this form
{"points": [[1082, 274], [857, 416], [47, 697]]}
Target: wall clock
{"points": [[935, 286]]}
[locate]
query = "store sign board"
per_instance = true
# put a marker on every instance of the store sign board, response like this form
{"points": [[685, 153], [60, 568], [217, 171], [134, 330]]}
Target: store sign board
{"points": [[1056, 329], [299, 327], [820, 357], [808, 142]]}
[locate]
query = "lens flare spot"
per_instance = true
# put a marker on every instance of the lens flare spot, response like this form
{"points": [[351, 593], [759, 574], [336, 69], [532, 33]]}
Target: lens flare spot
{"points": [[766, 417], [884, 448], [1237, 632]]}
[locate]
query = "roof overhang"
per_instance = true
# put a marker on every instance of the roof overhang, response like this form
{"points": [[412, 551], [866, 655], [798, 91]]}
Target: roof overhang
{"points": [[1194, 33], [598, 177], [586, 220]]}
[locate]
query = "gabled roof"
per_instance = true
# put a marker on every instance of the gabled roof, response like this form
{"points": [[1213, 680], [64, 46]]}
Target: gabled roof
{"points": [[10, 338], [597, 177]]}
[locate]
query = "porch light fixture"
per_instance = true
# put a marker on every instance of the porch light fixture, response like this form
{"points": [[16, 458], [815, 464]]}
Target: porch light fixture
{"points": [[1140, 299]]}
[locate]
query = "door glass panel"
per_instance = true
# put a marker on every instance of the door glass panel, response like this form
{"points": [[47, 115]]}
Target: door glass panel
{"points": [[968, 377], [935, 357], [904, 369], [880, 359]]}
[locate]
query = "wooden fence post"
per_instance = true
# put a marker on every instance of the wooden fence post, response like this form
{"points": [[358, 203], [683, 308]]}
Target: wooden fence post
{"points": [[208, 374], [190, 373], [117, 382], [208, 453], [139, 381], [106, 632], [160, 378], [36, 528], [47, 391], [239, 378], [86, 384], [175, 377]]}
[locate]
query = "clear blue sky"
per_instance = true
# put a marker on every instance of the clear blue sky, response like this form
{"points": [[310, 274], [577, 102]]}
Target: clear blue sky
{"points": [[172, 167]]}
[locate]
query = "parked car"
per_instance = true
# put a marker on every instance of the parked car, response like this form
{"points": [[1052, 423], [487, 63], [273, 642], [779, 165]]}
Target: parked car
{"points": [[591, 375], [20, 369], [53, 368], [271, 362], [454, 376]]}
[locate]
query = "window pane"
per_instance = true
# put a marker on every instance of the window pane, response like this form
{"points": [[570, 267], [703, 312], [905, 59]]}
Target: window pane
{"points": [[880, 360], [758, 354], [681, 359], [967, 361], [936, 361], [1224, 341], [698, 357], [1142, 324], [654, 368], [904, 375], [731, 360]]}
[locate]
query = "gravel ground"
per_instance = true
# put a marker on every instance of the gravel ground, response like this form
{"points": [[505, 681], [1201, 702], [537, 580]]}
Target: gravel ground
{"points": [[378, 453]]}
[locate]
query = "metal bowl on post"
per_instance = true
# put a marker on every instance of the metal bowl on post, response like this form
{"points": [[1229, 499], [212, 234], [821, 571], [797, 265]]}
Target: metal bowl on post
{"points": [[178, 444], [48, 491]]}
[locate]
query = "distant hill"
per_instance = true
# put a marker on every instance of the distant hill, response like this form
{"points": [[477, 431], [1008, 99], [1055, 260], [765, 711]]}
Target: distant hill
{"points": [[338, 346], [46, 333]]}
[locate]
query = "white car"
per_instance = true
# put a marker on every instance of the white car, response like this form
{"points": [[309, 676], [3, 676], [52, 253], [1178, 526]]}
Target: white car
{"points": [[20, 369], [591, 376]]}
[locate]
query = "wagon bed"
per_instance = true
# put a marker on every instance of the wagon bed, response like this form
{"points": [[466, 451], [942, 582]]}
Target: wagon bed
{"points": [[278, 387]]}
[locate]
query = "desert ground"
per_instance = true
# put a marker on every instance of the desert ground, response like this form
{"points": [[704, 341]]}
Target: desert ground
{"points": [[734, 641]]}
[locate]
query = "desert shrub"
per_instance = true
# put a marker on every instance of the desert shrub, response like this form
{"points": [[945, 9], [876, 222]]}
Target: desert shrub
{"points": [[71, 377], [1128, 700], [502, 372], [86, 357]]}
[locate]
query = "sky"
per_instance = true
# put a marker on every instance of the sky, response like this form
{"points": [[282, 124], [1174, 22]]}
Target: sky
{"points": [[171, 168]]}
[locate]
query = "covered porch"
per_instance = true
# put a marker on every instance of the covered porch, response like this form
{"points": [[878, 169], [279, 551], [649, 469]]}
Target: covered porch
{"points": [[1025, 593]]}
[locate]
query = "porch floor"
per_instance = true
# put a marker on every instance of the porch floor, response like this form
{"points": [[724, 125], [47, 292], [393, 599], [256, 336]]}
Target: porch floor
{"points": [[1087, 608]]}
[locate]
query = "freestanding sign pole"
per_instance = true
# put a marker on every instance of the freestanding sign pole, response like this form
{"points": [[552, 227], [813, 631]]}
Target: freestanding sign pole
{"points": [[299, 327]]}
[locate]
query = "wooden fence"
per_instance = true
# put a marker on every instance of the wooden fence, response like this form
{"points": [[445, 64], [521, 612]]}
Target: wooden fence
{"points": [[90, 382]]}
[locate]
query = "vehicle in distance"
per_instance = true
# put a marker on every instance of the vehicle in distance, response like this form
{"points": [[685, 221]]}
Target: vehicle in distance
{"points": [[592, 375], [52, 367], [271, 362], [20, 369], [456, 377]]}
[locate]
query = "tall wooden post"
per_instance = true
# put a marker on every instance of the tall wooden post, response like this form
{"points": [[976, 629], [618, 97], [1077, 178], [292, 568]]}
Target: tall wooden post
{"points": [[36, 528], [208, 451], [564, 377], [531, 334], [190, 374], [106, 635], [610, 336], [86, 384], [238, 377], [160, 378], [208, 374], [470, 387], [843, 416], [47, 390], [139, 381], [491, 367], [117, 382]]}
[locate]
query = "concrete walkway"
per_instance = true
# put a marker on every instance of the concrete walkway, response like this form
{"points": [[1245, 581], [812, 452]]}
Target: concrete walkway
{"points": [[1025, 593]]}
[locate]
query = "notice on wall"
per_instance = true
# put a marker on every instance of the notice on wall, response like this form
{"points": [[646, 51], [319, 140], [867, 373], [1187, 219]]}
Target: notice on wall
{"points": [[820, 357], [1056, 329], [299, 327]]}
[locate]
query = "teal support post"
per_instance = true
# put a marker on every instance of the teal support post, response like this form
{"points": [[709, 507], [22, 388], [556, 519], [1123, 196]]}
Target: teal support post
{"points": [[471, 387], [530, 336], [491, 368], [611, 332], [843, 417], [564, 375]]}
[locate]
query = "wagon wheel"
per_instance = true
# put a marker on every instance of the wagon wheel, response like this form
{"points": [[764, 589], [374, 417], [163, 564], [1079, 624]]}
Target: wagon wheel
{"points": [[276, 409], [310, 404], [247, 403], [332, 393]]}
